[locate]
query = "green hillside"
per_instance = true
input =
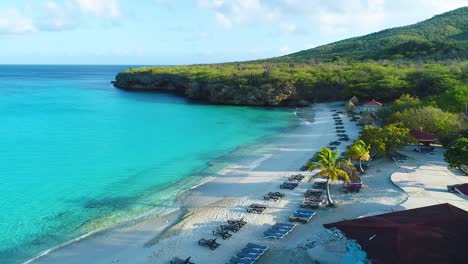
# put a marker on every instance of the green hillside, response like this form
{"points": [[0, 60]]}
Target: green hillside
{"points": [[444, 36], [428, 60]]}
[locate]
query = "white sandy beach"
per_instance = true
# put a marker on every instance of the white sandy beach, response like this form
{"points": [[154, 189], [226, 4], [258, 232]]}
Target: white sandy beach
{"points": [[158, 240]]}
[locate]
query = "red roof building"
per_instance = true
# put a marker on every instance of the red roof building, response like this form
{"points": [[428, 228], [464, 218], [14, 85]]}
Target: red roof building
{"points": [[432, 234], [422, 136], [462, 189], [373, 103]]}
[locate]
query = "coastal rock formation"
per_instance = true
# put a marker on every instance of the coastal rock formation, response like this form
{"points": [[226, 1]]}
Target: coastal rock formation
{"points": [[214, 93]]}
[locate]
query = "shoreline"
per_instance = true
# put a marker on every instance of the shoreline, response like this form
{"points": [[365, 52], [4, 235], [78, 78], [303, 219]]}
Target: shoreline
{"points": [[178, 200], [198, 196], [226, 195]]}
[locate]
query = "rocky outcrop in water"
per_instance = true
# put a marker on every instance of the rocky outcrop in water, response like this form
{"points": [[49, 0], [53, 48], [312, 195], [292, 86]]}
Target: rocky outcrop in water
{"points": [[214, 93]]}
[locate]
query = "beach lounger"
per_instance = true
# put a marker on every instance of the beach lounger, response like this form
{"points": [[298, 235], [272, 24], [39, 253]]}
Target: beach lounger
{"points": [[319, 185], [451, 188], [267, 234], [255, 210], [289, 185], [285, 224], [318, 193], [312, 204], [300, 219], [210, 243], [230, 227], [302, 214], [177, 260], [278, 194], [258, 252], [309, 212], [237, 260], [252, 245], [255, 205], [223, 233], [354, 186], [297, 177], [243, 255], [277, 228], [240, 222], [273, 196]]}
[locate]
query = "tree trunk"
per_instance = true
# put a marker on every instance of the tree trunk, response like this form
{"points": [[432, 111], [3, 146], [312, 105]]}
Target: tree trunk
{"points": [[329, 199], [360, 165]]}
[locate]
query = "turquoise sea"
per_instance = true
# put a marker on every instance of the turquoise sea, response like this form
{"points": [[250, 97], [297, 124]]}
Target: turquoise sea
{"points": [[77, 155]]}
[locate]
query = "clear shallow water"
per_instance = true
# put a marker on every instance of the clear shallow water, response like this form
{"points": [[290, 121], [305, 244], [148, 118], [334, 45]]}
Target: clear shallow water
{"points": [[78, 155]]}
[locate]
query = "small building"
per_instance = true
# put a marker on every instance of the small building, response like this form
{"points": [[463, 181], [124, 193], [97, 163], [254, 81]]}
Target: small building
{"points": [[431, 234], [371, 106], [425, 139]]}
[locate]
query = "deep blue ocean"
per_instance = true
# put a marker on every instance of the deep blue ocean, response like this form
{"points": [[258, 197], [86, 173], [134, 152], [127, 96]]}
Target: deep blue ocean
{"points": [[78, 155]]}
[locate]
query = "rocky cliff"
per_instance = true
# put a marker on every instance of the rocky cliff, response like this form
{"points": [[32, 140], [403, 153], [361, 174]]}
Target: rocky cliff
{"points": [[214, 93]]}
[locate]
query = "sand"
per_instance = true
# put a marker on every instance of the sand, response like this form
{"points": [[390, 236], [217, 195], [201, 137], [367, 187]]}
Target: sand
{"points": [[245, 181]]}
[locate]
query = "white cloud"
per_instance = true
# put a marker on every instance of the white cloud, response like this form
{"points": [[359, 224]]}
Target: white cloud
{"points": [[223, 20], [14, 22], [343, 16], [288, 28], [57, 17], [102, 8], [284, 50]]}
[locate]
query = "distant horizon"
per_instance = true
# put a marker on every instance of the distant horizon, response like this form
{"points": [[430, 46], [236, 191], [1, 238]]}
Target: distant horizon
{"points": [[175, 32]]}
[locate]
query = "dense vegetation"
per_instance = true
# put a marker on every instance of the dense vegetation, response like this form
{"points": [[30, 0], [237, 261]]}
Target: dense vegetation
{"points": [[442, 37], [383, 81], [457, 153]]}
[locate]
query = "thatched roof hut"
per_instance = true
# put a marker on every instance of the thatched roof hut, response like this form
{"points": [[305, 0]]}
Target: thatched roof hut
{"points": [[351, 171], [354, 100], [350, 106]]}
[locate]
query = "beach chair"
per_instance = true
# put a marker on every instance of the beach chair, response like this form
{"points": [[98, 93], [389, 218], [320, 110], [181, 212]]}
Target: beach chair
{"points": [[285, 224], [240, 222], [319, 185], [258, 252], [312, 204], [300, 219], [237, 260], [302, 214], [297, 177], [354, 186], [223, 233], [317, 193], [308, 212], [289, 185], [273, 196], [177, 260], [255, 205], [274, 235], [210, 243], [230, 227], [252, 245], [451, 188], [255, 210], [243, 255]]}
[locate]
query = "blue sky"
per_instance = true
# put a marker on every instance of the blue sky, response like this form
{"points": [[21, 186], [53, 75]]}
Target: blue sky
{"points": [[190, 31]]}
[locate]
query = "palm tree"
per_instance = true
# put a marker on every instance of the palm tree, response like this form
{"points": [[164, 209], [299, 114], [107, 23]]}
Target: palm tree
{"points": [[359, 151], [328, 164]]}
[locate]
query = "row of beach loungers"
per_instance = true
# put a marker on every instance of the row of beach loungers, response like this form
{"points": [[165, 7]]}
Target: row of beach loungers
{"points": [[249, 254], [313, 199]]}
